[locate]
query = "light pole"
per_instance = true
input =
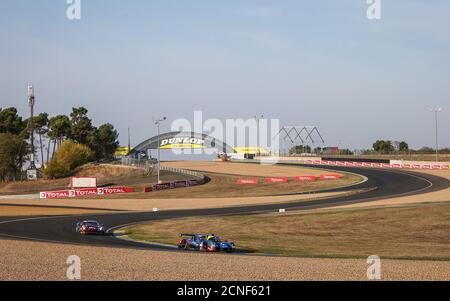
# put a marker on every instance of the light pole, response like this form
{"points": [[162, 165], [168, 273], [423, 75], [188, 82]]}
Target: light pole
{"points": [[157, 123], [258, 118], [436, 111], [31, 101]]}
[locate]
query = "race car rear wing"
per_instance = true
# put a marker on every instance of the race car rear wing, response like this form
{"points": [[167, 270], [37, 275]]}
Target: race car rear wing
{"points": [[190, 235]]}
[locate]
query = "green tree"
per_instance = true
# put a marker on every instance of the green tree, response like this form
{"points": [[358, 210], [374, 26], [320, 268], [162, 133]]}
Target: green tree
{"points": [[403, 147], [378, 145], [69, 156], [426, 150], [59, 129], [346, 152], [40, 125], [80, 125], [300, 149], [13, 151], [103, 141], [11, 122], [384, 147]]}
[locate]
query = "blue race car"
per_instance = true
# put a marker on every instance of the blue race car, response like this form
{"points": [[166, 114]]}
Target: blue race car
{"points": [[205, 242]]}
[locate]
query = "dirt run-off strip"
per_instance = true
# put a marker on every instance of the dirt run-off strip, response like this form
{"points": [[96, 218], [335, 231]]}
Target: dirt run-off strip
{"points": [[221, 191], [10, 210], [222, 182], [24, 260], [172, 204]]}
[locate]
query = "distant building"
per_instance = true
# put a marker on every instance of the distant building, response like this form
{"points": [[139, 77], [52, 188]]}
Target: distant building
{"points": [[330, 150]]}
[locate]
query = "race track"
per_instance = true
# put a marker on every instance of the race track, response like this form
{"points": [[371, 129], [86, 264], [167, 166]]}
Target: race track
{"points": [[381, 184]]}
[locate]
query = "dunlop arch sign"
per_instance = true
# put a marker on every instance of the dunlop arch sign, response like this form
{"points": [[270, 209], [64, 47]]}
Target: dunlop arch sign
{"points": [[182, 143], [182, 140]]}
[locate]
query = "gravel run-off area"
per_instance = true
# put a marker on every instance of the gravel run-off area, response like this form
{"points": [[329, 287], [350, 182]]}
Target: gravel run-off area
{"points": [[23, 260]]}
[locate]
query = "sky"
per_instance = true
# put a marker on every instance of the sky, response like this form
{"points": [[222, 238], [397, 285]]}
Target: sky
{"points": [[319, 62]]}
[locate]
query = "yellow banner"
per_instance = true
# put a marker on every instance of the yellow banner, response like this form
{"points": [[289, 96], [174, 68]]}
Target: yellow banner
{"points": [[122, 151]]}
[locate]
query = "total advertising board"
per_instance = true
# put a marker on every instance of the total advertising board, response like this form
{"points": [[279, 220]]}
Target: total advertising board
{"points": [[306, 178], [330, 177], [84, 192], [277, 180], [252, 181]]}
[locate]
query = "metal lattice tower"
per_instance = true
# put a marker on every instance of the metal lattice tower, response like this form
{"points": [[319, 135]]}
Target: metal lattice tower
{"points": [[291, 136]]}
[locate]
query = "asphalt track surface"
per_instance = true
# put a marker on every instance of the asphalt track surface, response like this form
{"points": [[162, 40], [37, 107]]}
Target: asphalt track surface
{"points": [[381, 184]]}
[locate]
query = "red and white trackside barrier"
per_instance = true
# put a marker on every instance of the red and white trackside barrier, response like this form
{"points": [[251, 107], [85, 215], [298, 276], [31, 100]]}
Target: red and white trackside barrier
{"points": [[330, 177], [253, 181], [84, 192], [277, 180], [379, 165], [306, 178]]}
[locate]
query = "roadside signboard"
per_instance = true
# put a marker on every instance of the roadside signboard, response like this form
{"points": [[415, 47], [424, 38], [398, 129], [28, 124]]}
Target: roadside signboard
{"points": [[306, 178], [32, 175], [277, 180], [330, 177], [247, 181], [83, 182], [74, 193]]}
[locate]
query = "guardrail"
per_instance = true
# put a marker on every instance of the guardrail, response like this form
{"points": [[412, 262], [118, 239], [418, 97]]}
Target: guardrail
{"points": [[183, 171], [134, 162], [200, 180], [378, 165]]}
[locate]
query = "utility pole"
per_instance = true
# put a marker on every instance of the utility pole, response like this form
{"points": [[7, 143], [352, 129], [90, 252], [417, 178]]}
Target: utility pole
{"points": [[129, 140], [31, 102], [436, 111], [157, 123]]}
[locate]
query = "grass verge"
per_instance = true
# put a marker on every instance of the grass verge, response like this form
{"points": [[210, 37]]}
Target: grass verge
{"points": [[420, 232], [224, 186]]}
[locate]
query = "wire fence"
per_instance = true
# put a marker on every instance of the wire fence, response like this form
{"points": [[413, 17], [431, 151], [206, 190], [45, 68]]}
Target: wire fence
{"points": [[191, 173], [152, 166], [136, 162]]}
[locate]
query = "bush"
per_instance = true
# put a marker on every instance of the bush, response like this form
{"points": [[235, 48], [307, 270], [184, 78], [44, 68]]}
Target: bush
{"points": [[69, 156]]}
